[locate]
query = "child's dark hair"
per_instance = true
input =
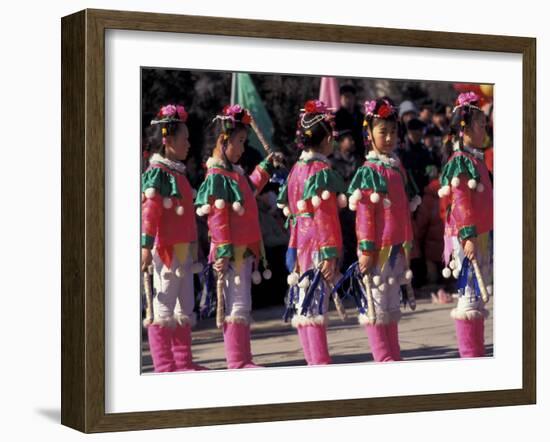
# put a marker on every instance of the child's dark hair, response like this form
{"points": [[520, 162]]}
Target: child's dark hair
{"points": [[316, 123], [155, 136], [464, 112], [381, 109], [213, 131]]}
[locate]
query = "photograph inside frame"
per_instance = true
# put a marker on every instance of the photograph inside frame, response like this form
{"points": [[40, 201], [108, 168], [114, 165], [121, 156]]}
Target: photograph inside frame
{"points": [[291, 220]]}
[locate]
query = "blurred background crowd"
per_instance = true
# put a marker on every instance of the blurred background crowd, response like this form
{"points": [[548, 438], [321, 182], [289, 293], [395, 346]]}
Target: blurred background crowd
{"points": [[275, 100]]}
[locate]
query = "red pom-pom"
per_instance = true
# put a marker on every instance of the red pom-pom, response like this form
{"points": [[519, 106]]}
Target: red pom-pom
{"points": [[310, 106], [384, 111]]}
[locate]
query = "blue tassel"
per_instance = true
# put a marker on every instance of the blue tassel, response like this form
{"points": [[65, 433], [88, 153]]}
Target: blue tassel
{"points": [[467, 272], [393, 255], [290, 308], [310, 292], [291, 255]]}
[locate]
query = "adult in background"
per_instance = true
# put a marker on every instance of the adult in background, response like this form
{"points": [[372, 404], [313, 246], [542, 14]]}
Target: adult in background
{"points": [[350, 117]]}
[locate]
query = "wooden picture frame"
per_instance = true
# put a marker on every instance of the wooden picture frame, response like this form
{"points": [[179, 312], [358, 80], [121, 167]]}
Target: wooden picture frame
{"points": [[83, 219]]}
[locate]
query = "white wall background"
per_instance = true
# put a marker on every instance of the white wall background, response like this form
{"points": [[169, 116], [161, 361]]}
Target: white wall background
{"points": [[30, 215]]}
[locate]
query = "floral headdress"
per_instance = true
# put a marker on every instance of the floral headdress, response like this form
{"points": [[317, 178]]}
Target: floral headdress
{"points": [[314, 112], [169, 114], [231, 116], [465, 104], [381, 108]]}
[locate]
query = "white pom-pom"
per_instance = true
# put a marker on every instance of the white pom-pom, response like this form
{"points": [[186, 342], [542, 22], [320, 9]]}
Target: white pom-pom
{"points": [[179, 272], [352, 205], [382, 287], [455, 182], [267, 274], [301, 205], [480, 187], [387, 203], [206, 209], [304, 283], [197, 267], [241, 211], [256, 277], [315, 201], [446, 272], [180, 210], [219, 203], [167, 203], [409, 275], [444, 191], [490, 289], [286, 211], [237, 280], [292, 279], [376, 280], [342, 201], [456, 273], [325, 195], [374, 197], [199, 212], [280, 206], [452, 264], [391, 280], [472, 184], [356, 195], [150, 192], [237, 206]]}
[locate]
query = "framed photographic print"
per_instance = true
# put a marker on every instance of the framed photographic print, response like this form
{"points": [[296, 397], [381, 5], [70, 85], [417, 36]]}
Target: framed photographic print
{"points": [[248, 156]]}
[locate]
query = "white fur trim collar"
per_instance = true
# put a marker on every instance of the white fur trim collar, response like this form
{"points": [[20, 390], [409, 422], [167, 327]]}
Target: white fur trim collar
{"points": [[176, 166], [390, 160], [216, 162], [311, 155]]}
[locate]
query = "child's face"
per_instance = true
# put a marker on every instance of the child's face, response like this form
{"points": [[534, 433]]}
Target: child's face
{"points": [[384, 136], [235, 145], [475, 132], [178, 145]]}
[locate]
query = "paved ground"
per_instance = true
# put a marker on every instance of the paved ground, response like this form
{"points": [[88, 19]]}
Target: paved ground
{"points": [[427, 333]]}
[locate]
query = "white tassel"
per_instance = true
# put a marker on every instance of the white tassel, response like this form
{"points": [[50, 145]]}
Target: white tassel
{"points": [[301, 205], [150, 192], [387, 203], [286, 211], [455, 182], [480, 187], [472, 184], [256, 277], [292, 279], [219, 203], [446, 272], [167, 203], [237, 206], [315, 201], [267, 274], [325, 195], [180, 210], [444, 191], [197, 267], [376, 280], [342, 201], [374, 197]]}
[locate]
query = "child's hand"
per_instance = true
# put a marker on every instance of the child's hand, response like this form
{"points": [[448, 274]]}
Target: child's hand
{"points": [[146, 259], [328, 269], [366, 262], [470, 248], [221, 265], [276, 158]]}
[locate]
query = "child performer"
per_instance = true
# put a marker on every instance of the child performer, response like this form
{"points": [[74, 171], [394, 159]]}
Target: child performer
{"points": [[228, 197], [468, 193], [380, 194], [168, 242], [310, 201]]}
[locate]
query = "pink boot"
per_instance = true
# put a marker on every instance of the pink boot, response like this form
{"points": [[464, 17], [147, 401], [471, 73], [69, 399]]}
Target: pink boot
{"points": [[468, 337], [393, 339], [181, 349], [379, 343], [318, 346], [161, 348], [480, 333], [236, 338], [304, 341]]}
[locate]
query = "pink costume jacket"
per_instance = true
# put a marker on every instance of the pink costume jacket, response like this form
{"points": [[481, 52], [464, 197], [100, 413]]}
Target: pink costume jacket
{"points": [[168, 219], [228, 197], [310, 200], [468, 191], [380, 194]]}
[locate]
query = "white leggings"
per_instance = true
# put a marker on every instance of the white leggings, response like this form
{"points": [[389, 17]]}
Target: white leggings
{"points": [[174, 297], [238, 297]]}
